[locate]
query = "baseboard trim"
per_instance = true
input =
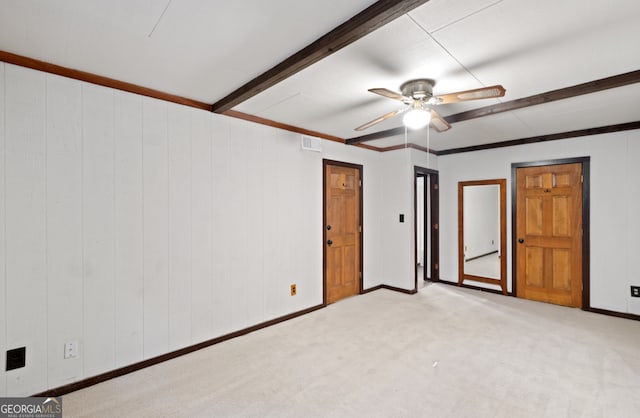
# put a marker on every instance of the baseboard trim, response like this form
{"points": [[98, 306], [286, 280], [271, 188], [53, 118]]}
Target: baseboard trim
{"points": [[607, 312], [371, 289], [398, 289], [392, 288], [94, 380], [470, 286]]}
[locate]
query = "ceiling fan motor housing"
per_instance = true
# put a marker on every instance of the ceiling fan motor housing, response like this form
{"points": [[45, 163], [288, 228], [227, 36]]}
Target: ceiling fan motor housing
{"points": [[419, 89]]}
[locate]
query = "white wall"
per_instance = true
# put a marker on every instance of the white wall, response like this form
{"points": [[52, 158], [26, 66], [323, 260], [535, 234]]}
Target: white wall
{"points": [[397, 238], [138, 227], [632, 244], [3, 234], [614, 207]]}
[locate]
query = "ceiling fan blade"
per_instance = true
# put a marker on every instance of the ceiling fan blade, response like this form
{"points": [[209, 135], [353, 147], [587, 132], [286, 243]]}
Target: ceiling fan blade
{"points": [[388, 93], [380, 119], [438, 122], [475, 94]]}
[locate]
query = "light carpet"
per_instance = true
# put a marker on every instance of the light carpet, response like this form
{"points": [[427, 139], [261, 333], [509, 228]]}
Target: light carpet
{"points": [[444, 352]]}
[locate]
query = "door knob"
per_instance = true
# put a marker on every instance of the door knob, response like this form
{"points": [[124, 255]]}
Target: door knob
{"points": [[328, 227], [329, 242], [521, 240]]}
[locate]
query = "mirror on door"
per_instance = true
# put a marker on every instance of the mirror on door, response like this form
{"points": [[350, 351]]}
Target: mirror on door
{"points": [[482, 230]]}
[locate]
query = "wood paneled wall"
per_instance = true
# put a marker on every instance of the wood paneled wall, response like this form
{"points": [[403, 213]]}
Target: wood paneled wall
{"points": [[138, 227]]}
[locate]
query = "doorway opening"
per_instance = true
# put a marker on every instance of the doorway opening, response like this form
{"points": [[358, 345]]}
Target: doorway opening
{"points": [[426, 219]]}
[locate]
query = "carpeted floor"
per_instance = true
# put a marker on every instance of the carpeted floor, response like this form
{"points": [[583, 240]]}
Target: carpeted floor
{"points": [[444, 352]]}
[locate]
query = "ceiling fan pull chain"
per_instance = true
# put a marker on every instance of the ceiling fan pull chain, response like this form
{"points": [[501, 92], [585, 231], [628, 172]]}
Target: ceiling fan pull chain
{"points": [[406, 141], [428, 140]]}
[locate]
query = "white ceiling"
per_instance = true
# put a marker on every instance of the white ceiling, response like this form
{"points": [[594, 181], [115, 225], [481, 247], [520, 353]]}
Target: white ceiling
{"points": [[205, 49]]}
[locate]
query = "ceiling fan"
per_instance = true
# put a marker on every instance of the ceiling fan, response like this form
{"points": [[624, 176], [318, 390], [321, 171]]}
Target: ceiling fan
{"points": [[418, 97]]}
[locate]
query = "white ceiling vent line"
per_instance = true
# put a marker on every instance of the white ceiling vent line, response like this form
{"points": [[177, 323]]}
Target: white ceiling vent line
{"points": [[309, 143]]}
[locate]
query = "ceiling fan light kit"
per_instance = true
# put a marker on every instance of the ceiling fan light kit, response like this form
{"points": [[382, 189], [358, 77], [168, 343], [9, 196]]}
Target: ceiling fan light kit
{"points": [[418, 96], [417, 117]]}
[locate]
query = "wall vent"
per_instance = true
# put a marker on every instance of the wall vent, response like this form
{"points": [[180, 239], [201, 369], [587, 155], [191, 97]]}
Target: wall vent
{"points": [[16, 358], [309, 143]]}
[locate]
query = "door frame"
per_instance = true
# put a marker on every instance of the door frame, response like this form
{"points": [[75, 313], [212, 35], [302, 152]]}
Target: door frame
{"points": [[434, 211], [586, 278], [325, 163]]}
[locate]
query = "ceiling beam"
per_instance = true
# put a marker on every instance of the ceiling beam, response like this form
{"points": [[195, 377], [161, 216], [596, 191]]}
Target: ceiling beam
{"points": [[543, 138], [619, 80], [365, 22], [387, 133], [511, 143], [550, 96]]}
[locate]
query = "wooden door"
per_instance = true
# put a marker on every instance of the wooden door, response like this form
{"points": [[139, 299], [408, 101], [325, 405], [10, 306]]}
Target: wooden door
{"points": [[342, 232], [549, 234]]}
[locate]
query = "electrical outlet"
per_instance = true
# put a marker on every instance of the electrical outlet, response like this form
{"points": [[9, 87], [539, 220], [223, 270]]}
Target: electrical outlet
{"points": [[635, 291], [71, 349], [293, 289]]}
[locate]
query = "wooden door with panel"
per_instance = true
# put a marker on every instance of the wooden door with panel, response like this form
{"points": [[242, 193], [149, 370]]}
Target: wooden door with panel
{"points": [[342, 232], [549, 234]]}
